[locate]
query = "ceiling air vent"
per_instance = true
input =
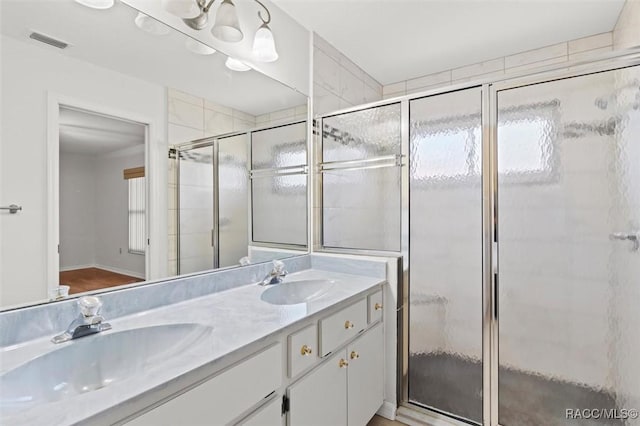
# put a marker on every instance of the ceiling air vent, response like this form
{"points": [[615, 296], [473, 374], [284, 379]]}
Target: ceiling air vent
{"points": [[48, 40]]}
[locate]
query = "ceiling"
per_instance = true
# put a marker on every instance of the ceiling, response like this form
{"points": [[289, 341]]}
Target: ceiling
{"points": [[395, 40], [94, 134], [110, 39]]}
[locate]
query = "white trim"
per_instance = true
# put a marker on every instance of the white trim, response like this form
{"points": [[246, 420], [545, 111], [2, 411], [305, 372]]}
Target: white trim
{"points": [[418, 418], [387, 410], [156, 255], [106, 268], [120, 271], [74, 267]]}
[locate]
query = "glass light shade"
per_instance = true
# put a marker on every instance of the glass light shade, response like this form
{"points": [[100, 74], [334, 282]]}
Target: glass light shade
{"points": [[97, 4], [147, 24], [182, 8], [236, 65], [197, 47], [227, 26], [264, 46]]}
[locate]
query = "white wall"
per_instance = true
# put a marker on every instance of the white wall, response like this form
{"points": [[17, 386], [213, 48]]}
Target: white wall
{"points": [[626, 33], [94, 227], [111, 218], [29, 75], [337, 81], [558, 53], [77, 210], [282, 116]]}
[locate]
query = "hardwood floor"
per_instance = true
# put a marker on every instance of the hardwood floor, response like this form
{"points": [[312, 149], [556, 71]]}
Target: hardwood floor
{"points": [[88, 279]]}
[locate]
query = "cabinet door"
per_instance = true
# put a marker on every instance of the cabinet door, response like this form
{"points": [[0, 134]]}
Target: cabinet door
{"points": [[320, 398], [268, 415], [365, 376], [224, 397]]}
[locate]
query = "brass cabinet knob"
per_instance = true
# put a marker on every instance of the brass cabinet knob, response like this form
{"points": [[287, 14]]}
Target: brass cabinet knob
{"points": [[343, 363], [377, 306], [305, 350], [354, 355], [348, 325]]}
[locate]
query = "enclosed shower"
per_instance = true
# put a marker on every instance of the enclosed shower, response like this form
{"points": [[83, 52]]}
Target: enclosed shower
{"points": [[516, 206], [231, 192]]}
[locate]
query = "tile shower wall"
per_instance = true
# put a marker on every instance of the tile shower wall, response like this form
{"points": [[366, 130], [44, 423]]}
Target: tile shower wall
{"points": [[190, 117], [626, 33], [555, 54], [282, 116], [337, 81]]}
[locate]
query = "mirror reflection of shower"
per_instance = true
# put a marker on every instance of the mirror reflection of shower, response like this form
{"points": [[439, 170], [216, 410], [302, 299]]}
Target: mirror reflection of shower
{"points": [[241, 197]]}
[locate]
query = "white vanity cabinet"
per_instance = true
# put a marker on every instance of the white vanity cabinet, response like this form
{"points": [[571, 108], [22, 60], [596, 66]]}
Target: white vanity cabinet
{"points": [[270, 414], [320, 397], [226, 396], [365, 379], [330, 368], [346, 389]]}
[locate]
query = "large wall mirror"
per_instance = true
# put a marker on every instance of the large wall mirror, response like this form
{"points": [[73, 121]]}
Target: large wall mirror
{"points": [[131, 152]]}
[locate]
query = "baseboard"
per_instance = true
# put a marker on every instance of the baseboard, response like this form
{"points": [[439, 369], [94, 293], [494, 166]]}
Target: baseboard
{"points": [[387, 410], [74, 267], [106, 268], [120, 271]]}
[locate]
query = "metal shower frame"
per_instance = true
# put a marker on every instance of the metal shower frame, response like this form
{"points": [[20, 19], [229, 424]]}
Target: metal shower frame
{"points": [[213, 141], [490, 322]]}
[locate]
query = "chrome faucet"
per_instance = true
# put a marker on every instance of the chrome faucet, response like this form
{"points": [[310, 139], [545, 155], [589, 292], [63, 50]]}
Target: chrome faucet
{"points": [[277, 274], [88, 321]]}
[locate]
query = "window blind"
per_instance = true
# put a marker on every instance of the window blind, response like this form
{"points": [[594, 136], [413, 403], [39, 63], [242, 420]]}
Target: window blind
{"points": [[137, 210]]}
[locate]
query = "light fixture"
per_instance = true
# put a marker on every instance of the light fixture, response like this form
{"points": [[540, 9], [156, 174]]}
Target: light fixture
{"points": [[97, 4], [197, 47], [236, 65], [147, 24], [264, 46], [195, 14], [227, 26], [185, 9]]}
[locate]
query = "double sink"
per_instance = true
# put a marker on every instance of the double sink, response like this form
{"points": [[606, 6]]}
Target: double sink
{"points": [[94, 362]]}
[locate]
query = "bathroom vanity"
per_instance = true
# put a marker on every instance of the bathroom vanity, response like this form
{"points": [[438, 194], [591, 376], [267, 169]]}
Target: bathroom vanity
{"points": [[307, 351], [341, 354]]}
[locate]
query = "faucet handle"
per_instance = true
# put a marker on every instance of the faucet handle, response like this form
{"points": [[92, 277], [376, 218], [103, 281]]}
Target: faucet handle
{"points": [[278, 266], [89, 305]]}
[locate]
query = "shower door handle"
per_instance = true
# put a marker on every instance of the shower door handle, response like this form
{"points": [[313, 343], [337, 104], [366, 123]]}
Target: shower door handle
{"points": [[624, 236]]}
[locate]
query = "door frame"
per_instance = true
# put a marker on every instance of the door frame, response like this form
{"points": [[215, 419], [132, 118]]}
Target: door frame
{"points": [[54, 102]]}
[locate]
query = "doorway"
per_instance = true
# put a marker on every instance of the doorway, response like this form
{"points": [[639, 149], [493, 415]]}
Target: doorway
{"points": [[102, 206]]}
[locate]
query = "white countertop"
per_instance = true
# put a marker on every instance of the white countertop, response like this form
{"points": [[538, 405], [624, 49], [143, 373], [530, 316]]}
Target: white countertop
{"points": [[238, 318]]}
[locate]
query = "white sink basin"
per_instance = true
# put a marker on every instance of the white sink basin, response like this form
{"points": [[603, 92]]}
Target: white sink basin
{"points": [[293, 292], [93, 362]]}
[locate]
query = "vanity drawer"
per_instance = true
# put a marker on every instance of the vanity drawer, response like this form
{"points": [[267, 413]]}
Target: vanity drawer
{"points": [[303, 351], [375, 307], [342, 326], [223, 397]]}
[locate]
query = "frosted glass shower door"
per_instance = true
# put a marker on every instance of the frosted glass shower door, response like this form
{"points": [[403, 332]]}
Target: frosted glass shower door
{"points": [[568, 156], [233, 199], [279, 185], [445, 283], [195, 210], [361, 179]]}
